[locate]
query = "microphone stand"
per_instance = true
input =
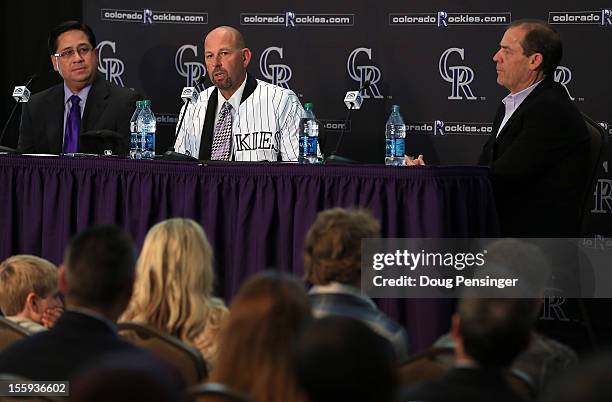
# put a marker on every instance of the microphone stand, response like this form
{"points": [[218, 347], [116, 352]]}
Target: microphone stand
{"points": [[170, 154], [6, 125], [334, 158]]}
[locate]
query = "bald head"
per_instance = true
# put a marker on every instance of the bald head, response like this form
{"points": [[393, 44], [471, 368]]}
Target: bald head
{"points": [[226, 57], [231, 34]]}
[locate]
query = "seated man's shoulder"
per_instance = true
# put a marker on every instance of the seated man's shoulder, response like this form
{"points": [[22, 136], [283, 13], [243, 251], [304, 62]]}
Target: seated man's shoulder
{"points": [[274, 89]]}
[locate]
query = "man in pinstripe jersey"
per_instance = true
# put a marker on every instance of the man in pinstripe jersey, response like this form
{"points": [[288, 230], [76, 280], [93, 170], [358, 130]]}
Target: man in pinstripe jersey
{"points": [[264, 118]]}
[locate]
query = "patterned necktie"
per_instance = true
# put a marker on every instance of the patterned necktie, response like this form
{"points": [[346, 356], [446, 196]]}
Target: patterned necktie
{"points": [[73, 125], [222, 139]]}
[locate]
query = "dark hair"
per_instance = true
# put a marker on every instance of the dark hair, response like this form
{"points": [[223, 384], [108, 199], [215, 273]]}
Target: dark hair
{"points": [[541, 38], [265, 319], [69, 26], [333, 245], [99, 264], [495, 331], [342, 359]]}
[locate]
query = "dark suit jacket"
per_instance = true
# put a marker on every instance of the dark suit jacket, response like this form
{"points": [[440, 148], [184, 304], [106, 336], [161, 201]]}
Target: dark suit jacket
{"points": [[464, 384], [108, 107], [538, 165], [58, 354]]}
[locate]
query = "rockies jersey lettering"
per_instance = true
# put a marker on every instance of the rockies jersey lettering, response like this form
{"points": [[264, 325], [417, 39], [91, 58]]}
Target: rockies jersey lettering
{"points": [[265, 126]]}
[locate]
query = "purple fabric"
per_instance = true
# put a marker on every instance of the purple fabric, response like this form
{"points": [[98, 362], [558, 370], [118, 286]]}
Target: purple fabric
{"points": [[255, 215], [73, 125]]}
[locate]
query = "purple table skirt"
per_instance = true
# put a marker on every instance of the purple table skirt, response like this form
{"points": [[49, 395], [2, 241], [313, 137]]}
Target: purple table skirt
{"points": [[255, 215]]}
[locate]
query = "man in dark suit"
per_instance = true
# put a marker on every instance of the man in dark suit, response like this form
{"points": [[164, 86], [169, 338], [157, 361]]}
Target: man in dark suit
{"points": [[539, 145], [489, 334], [53, 119], [97, 279]]}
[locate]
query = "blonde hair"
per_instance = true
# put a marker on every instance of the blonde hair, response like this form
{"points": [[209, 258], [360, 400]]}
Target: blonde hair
{"points": [[174, 281], [21, 275]]}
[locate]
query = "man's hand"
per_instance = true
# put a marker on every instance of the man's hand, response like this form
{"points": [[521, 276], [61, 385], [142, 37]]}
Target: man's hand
{"points": [[50, 316], [414, 162]]}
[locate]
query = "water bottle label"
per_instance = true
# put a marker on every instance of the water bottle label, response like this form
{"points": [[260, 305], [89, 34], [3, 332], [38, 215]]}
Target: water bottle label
{"points": [[395, 147]]}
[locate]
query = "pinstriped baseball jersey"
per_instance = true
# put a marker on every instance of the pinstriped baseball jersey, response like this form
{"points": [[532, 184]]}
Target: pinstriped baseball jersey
{"points": [[265, 126]]}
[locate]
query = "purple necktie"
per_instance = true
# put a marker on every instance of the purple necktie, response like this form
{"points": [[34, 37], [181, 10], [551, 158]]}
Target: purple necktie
{"points": [[73, 125]]}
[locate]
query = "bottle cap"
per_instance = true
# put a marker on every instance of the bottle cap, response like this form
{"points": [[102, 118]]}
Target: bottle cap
{"points": [[395, 109], [147, 103], [308, 106]]}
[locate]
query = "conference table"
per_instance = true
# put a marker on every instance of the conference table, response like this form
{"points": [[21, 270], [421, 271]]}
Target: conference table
{"points": [[256, 215]]}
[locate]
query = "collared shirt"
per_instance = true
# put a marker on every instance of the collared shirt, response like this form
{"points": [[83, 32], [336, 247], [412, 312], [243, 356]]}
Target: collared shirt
{"points": [[234, 100], [27, 324], [83, 94], [513, 101], [336, 287]]}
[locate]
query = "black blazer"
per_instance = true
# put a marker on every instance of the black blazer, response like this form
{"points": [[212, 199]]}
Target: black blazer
{"points": [[108, 107], [538, 165], [58, 354]]}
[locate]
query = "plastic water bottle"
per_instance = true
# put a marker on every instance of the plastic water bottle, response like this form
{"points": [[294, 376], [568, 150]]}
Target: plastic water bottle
{"points": [[147, 125], [309, 137], [395, 134], [135, 143]]}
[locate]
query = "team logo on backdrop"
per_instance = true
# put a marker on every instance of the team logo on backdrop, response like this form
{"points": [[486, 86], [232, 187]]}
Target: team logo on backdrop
{"points": [[291, 19], [563, 76], [362, 73], [603, 197], [148, 16], [441, 127], [191, 70], [459, 77], [445, 19], [602, 17], [111, 67], [277, 74]]}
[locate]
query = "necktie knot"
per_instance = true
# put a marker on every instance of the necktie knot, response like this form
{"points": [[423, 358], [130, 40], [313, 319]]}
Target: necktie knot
{"points": [[75, 101]]}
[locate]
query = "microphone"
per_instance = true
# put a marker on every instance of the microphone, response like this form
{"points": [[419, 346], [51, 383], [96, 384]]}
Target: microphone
{"points": [[352, 100], [188, 95], [21, 94]]}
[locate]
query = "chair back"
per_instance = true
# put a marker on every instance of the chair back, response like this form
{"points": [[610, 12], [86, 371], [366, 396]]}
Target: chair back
{"points": [[184, 357], [10, 332], [210, 392], [597, 144]]}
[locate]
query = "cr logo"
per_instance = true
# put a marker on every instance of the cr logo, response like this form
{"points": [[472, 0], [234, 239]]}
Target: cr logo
{"points": [[364, 73], [191, 70], [278, 74], [111, 67], [460, 77], [563, 76]]}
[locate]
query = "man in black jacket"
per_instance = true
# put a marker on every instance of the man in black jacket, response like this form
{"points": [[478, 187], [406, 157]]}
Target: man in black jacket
{"points": [[53, 119], [97, 279], [539, 145]]}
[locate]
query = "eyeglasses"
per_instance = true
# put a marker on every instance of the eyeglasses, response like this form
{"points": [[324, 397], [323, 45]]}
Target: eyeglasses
{"points": [[68, 53]]}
